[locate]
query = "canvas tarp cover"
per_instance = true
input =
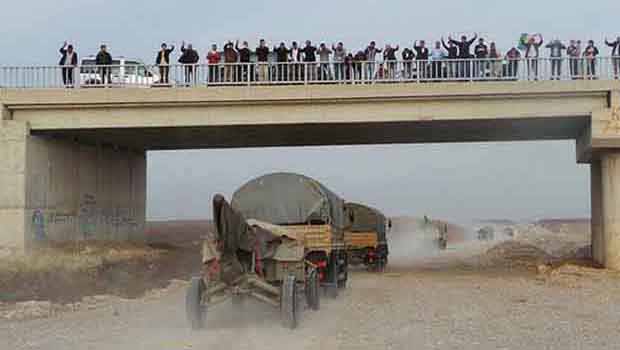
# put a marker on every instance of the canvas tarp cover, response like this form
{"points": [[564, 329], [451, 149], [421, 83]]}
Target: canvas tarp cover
{"points": [[289, 199], [233, 233], [361, 218]]}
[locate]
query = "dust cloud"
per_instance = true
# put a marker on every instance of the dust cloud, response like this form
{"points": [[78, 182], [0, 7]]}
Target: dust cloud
{"points": [[410, 242]]}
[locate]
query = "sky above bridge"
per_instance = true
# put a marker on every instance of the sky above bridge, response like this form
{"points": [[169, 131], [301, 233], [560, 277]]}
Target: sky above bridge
{"points": [[456, 181]]}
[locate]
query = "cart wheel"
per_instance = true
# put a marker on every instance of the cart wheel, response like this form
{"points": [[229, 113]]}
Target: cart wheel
{"points": [[288, 302], [196, 311], [312, 290]]}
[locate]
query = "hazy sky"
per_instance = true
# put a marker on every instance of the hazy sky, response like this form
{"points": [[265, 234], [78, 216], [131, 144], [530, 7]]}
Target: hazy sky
{"points": [[462, 181]]}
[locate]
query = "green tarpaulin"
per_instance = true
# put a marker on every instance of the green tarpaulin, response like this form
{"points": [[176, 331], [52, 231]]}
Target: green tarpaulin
{"points": [[289, 199], [361, 218]]}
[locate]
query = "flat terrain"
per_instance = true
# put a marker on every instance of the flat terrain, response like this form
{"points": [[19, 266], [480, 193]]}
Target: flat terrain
{"points": [[519, 294]]}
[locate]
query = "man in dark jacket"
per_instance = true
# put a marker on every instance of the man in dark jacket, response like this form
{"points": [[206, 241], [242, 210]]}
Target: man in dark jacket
{"points": [[163, 61], [481, 51], [573, 51], [282, 53], [103, 60], [389, 56], [309, 58], [244, 58], [408, 56], [262, 56], [371, 54], [513, 56], [189, 58], [464, 54], [615, 55], [230, 58], [358, 62], [68, 62], [422, 58], [590, 53], [453, 54]]}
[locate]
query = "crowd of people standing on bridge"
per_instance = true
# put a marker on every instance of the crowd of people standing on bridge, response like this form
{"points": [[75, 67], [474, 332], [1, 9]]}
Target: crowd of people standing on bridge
{"points": [[466, 58]]}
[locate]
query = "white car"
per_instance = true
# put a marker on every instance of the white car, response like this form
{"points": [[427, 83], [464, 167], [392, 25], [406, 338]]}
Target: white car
{"points": [[123, 72]]}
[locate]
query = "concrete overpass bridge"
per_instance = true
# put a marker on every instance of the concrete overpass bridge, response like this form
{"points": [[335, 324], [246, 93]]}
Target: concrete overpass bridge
{"points": [[74, 160]]}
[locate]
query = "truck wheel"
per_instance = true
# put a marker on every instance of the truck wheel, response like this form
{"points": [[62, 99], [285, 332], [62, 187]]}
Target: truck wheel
{"points": [[343, 272], [382, 264], [331, 291], [312, 290], [196, 311], [288, 302]]}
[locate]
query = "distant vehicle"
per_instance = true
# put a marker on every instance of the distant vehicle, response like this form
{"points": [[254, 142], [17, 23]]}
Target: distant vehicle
{"points": [[365, 236], [438, 230], [123, 72], [486, 233]]}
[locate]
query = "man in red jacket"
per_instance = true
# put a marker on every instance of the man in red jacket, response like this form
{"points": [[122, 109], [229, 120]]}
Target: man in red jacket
{"points": [[213, 59]]}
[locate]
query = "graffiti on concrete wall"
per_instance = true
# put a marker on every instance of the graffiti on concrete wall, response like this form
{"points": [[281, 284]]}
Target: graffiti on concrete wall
{"points": [[87, 214], [89, 221], [38, 225]]}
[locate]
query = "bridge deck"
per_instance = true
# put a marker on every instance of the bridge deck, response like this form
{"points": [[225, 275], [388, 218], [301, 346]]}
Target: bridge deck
{"points": [[252, 116]]}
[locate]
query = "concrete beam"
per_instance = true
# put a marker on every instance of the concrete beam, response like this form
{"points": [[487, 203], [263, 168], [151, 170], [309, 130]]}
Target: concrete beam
{"points": [[5, 113]]}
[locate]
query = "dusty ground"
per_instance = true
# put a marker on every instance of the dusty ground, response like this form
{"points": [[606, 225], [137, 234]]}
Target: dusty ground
{"points": [[472, 296]]}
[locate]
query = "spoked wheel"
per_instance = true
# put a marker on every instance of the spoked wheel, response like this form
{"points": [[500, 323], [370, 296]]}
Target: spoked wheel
{"points": [[288, 302], [312, 290], [196, 311]]}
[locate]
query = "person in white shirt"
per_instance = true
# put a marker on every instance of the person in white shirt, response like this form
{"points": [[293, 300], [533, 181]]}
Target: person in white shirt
{"points": [[295, 59], [532, 51], [437, 55], [339, 54], [68, 62]]}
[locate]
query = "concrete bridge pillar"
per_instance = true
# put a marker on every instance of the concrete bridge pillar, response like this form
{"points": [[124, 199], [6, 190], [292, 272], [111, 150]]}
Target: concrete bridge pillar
{"points": [[60, 190], [607, 237], [596, 205]]}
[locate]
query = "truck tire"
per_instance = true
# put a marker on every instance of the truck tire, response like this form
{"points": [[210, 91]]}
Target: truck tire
{"points": [[195, 310], [288, 302], [343, 271], [312, 290]]}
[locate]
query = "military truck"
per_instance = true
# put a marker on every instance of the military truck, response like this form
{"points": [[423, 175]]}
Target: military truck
{"points": [[309, 211], [365, 236], [252, 259]]}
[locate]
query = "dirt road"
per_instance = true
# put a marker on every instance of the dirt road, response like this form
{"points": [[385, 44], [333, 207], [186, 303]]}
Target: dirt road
{"points": [[441, 302]]}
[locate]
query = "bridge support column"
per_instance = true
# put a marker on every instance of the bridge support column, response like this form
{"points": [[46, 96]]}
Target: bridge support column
{"points": [[596, 219], [606, 239], [56, 190]]}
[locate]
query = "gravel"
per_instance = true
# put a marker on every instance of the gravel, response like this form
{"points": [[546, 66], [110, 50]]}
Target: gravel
{"points": [[446, 301]]}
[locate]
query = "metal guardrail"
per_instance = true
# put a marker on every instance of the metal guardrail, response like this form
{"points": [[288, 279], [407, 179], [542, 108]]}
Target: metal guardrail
{"points": [[258, 73]]}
